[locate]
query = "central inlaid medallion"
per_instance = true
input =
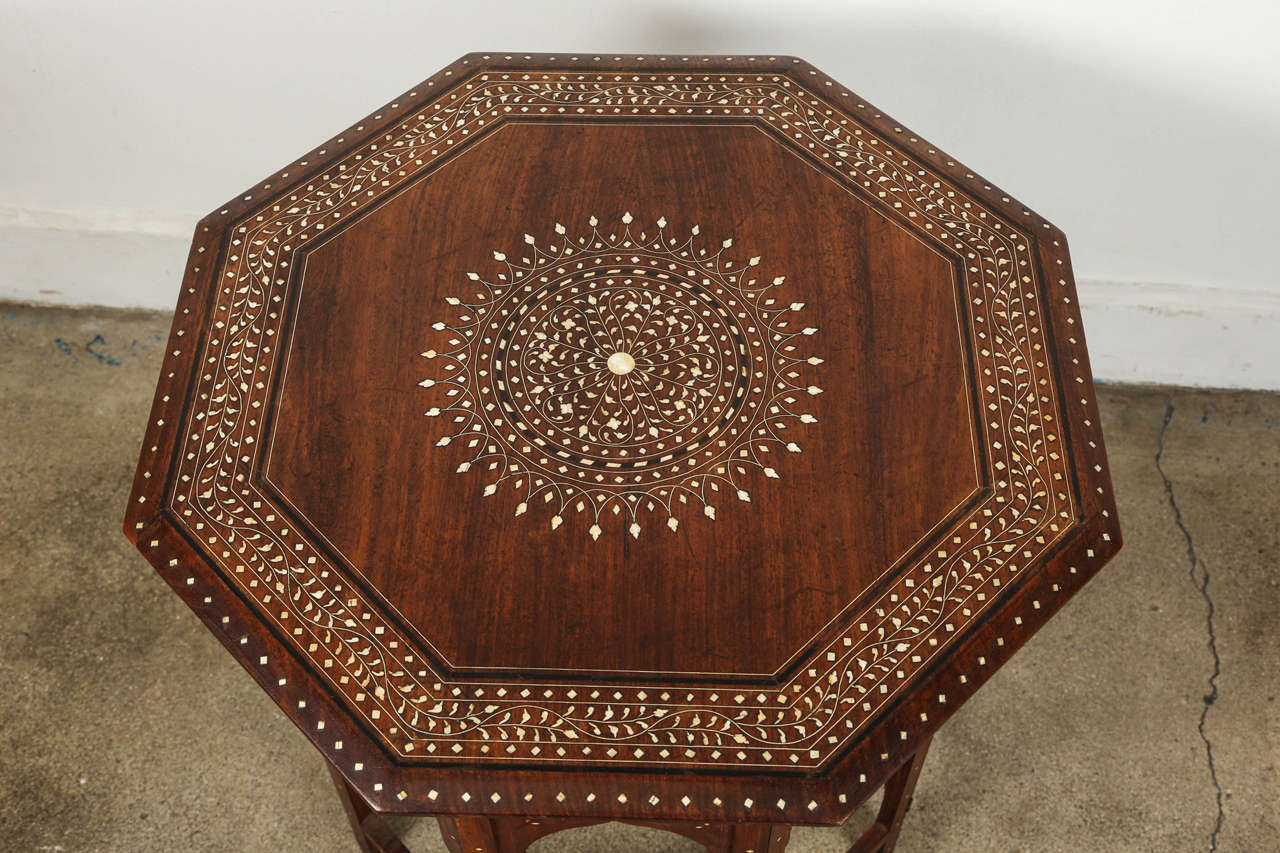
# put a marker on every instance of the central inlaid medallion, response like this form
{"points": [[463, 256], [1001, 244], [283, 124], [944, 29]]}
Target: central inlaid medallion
{"points": [[622, 374], [621, 363]]}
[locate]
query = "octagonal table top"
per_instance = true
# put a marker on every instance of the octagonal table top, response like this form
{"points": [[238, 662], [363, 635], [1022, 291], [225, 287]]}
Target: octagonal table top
{"points": [[651, 437]]}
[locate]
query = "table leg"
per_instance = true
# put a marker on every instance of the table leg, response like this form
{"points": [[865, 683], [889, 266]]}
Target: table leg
{"points": [[883, 834], [371, 831]]}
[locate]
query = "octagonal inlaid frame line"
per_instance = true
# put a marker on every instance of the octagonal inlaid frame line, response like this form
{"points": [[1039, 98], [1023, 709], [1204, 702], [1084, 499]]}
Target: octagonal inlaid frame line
{"points": [[270, 519], [773, 93], [259, 473]]}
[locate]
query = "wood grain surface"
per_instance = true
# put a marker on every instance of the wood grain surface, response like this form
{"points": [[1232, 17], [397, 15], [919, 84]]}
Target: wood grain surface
{"points": [[651, 438], [353, 455]]}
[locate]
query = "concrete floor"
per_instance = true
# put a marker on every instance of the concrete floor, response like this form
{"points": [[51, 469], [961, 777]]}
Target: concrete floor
{"points": [[1143, 718]]}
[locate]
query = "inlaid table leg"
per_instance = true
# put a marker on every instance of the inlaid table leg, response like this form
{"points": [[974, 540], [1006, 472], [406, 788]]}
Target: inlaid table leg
{"points": [[371, 832], [883, 834]]}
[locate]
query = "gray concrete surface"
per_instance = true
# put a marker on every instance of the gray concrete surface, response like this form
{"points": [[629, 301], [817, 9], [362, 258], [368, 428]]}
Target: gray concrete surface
{"points": [[124, 726]]}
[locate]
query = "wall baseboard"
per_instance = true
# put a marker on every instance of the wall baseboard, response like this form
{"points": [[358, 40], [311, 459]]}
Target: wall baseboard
{"points": [[1137, 332], [119, 260], [1182, 334]]}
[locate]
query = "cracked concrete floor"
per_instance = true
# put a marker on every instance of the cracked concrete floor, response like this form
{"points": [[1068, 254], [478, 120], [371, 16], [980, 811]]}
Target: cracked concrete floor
{"points": [[124, 726]]}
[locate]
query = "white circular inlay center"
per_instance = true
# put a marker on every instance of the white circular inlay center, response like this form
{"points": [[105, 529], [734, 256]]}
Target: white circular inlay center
{"points": [[621, 363]]}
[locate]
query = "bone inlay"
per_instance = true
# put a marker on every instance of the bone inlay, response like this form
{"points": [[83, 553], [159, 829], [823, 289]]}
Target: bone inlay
{"points": [[627, 371], [799, 724]]}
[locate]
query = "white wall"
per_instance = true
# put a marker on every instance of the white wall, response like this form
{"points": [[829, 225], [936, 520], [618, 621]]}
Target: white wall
{"points": [[1149, 131]]}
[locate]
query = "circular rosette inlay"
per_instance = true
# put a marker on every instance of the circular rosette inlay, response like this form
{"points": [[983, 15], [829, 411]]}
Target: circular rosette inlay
{"points": [[621, 375], [626, 370]]}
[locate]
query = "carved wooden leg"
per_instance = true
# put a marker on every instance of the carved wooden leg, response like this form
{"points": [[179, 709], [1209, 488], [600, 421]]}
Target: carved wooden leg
{"points": [[883, 834], [372, 833]]}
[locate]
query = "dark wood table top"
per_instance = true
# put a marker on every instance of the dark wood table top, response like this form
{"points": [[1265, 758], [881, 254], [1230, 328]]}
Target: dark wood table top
{"points": [[652, 437]]}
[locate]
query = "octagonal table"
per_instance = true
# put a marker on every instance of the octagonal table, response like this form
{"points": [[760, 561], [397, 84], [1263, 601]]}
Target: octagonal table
{"points": [[675, 440]]}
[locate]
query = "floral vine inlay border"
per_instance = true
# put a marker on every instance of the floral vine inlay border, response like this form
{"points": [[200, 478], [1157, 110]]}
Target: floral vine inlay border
{"points": [[798, 724]]}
